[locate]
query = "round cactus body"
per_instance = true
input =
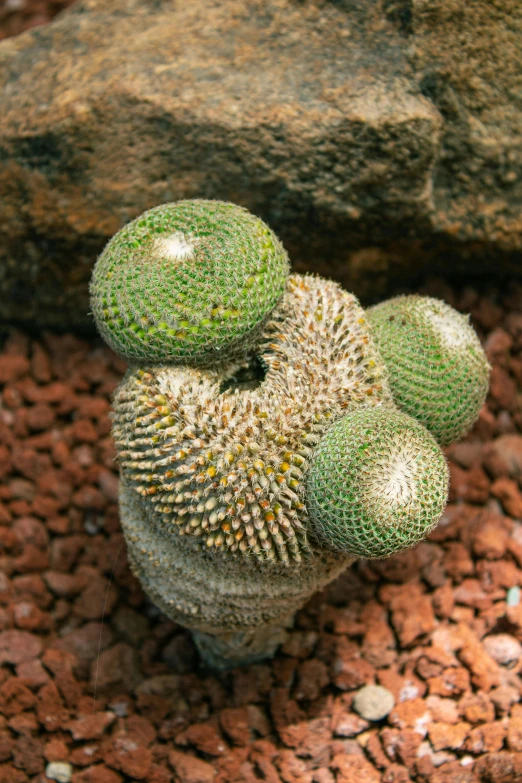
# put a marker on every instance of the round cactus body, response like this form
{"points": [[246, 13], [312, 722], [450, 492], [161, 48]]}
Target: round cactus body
{"points": [[225, 469], [438, 371], [186, 282], [377, 483]]}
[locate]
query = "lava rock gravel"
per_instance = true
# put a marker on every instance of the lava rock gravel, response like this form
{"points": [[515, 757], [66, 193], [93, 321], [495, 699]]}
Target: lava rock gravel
{"points": [[97, 686]]}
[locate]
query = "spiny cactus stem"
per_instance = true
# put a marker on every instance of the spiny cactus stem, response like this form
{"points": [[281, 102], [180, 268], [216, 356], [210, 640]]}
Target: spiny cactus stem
{"points": [[269, 431]]}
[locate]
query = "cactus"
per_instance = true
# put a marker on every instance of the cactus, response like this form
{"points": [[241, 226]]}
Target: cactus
{"points": [[252, 475], [187, 281], [227, 468], [378, 483], [438, 372]]}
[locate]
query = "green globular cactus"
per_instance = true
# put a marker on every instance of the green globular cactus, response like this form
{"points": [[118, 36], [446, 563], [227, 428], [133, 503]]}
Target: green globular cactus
{"points": [[258, 429], [187, 283], [378, 483], [438, 372]]}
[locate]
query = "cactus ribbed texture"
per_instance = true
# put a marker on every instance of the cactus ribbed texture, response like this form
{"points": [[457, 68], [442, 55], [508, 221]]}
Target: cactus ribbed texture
{"points": [[378, 483], [244, 603], [227, 468], [438, 372], [188, 282]]}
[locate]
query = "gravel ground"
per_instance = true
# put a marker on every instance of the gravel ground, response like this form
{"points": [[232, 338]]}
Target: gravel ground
{"points": [[440, 627], [19, 15]]}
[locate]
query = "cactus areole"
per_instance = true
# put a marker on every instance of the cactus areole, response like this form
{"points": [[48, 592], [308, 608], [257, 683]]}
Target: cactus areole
{"points": [[268, 430]]}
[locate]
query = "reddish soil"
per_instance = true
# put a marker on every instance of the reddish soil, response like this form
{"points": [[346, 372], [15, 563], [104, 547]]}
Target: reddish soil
{"points": [[440, 626], [19, 15]]}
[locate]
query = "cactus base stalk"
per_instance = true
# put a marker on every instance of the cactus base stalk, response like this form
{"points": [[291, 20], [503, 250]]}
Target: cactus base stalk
{"points": [[240, 648]]}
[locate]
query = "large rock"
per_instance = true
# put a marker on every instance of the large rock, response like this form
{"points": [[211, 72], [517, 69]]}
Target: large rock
{"points": [[382, 141]]}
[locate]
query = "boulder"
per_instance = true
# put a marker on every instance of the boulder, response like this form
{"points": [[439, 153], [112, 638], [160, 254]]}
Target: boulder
{"points": [[381, 141]]}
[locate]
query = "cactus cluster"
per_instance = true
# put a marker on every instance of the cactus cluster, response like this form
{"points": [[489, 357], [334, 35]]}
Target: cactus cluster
{"points": [[269, 430], [228, 467], [192, 282]]}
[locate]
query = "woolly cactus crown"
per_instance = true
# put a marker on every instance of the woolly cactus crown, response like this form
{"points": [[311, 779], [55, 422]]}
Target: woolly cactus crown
{"points": [[187, 282]]}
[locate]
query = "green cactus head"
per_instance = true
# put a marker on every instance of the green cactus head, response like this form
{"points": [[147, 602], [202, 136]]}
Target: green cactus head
{"points": [[188, 283], [438, 371], [377, 483]]}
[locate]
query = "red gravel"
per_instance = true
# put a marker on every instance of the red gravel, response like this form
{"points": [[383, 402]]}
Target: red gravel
{"points": [[19, 15], [433, 625]]}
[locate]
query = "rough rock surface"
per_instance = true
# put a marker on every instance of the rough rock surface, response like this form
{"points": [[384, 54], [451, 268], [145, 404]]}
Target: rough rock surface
{"points": [[432, 626], [380, 140]]}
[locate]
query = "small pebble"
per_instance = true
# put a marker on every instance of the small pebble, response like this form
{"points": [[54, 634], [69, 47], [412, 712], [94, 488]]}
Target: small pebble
{"points": [[513, 596], [373, 702], [503, 648], [121, 708], [60, 771]]}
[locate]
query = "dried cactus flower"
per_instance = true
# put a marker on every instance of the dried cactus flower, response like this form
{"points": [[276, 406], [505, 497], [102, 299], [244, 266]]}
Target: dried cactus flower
{"points": [[378, 483], [438, 371], [187, 281], [251, 475]]}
